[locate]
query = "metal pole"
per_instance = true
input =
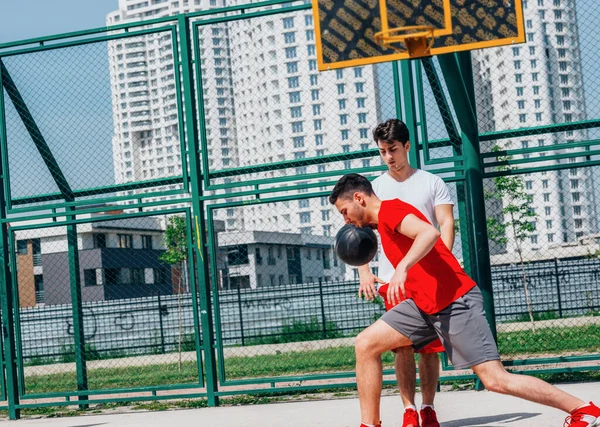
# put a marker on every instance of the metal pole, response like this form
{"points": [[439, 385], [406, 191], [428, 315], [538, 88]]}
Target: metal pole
{"points": [[239, 295], [322, 308], [410, 112], [187, 66], [556, 275], [6, 284], [458, 73], [160, 321], [76, 308]]}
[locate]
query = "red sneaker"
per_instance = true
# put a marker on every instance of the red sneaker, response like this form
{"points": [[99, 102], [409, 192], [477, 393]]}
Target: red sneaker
{"points": [[411, 418], [429, 418], [363, 425], [588, 416]]}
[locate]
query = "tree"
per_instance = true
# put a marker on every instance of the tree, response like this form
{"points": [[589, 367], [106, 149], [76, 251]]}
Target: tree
{"points": [[517, 218], [177, 254]]}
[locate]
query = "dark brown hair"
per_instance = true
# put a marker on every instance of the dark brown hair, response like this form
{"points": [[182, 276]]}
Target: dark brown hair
{"points": [[348, 185], [390, 131]]}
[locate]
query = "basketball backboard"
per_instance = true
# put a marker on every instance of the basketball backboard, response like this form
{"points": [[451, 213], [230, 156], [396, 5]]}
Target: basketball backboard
{"points": [[345, 29]]}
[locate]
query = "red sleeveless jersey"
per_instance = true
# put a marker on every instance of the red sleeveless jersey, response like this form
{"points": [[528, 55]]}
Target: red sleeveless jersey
{"points": [[435, 281]]}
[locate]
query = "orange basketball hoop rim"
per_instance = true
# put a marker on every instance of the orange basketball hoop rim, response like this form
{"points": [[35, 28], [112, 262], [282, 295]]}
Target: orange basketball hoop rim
{"points": [[417, 39]]}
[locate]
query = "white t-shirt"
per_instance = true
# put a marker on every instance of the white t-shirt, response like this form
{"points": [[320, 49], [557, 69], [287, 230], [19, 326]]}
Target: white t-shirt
{"points": [[423, 190]]}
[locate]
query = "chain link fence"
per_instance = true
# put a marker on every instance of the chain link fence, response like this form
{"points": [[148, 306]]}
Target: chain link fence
{"points": [[147, 261]]}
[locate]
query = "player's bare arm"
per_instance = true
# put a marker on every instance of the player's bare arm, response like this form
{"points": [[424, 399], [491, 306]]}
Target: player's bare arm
{"points": [[445, 217], [425, 236]]}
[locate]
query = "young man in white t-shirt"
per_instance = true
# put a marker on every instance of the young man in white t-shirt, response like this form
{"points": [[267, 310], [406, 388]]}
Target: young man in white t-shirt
{"points": [[430, 195]]}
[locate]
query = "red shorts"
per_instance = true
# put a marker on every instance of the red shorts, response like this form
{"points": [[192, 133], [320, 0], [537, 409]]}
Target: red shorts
{"points": [[433, 347]]}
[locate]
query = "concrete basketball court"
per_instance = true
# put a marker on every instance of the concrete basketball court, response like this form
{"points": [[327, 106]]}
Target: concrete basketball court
{"points": [[455, 409]]}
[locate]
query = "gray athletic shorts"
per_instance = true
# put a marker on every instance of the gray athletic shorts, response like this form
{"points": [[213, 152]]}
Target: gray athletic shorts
{"points": [[461, 326]]}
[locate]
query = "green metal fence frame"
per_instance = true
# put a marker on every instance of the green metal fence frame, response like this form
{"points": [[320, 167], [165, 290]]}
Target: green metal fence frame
{"points": [[466, 165], [83, 394]]}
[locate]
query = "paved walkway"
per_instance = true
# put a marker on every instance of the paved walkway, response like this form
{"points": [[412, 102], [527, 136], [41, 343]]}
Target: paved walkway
{"points": [[456, 409]]}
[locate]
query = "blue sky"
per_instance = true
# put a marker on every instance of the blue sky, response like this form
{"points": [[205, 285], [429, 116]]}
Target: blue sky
{"points": [[67, 91], [21, 19]]}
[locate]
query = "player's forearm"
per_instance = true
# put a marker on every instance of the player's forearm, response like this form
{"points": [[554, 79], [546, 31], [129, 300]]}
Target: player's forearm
{"points": [[364, 269], [447, 234], [422, 245]]}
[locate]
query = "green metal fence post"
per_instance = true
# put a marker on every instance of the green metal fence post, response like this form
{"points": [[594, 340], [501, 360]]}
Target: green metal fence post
{"points": [[7, 301], [458, 73], [455, 140], [6, 285], [77, 309], [410, 115], [397, 89], [187, 65]]}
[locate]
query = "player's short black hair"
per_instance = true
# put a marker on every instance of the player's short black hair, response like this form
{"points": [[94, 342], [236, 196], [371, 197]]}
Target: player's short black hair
{"points": [[348, 185]]}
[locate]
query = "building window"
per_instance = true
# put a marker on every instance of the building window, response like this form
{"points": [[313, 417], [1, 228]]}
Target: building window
{"points": [[22, 247], [137, 276], [111, 275], [326, 261], [160, 276], [290, 37], [38, 280], [238, 255], [296, 127], [89, 277], [288, 22], [146, 242], [304, 217], [125, 241], [259, 259]]}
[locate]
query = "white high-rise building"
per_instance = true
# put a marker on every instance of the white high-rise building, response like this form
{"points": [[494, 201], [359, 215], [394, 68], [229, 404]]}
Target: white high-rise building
{"points": [[265, 102], [535, 84], [146, 123]]}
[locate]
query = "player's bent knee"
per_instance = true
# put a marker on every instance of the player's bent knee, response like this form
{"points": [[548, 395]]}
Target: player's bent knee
{"points": [[363, 343]]}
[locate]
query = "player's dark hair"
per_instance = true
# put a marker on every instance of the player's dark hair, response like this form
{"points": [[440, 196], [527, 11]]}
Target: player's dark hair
{"points": [[348, 185], [390, 131]]}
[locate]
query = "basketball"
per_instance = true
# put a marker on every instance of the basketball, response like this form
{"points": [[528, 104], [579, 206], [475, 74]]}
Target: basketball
{"points": [[355, 246]]}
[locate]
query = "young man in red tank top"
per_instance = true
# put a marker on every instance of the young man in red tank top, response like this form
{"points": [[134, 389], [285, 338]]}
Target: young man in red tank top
{"points": [[441, 300]]}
